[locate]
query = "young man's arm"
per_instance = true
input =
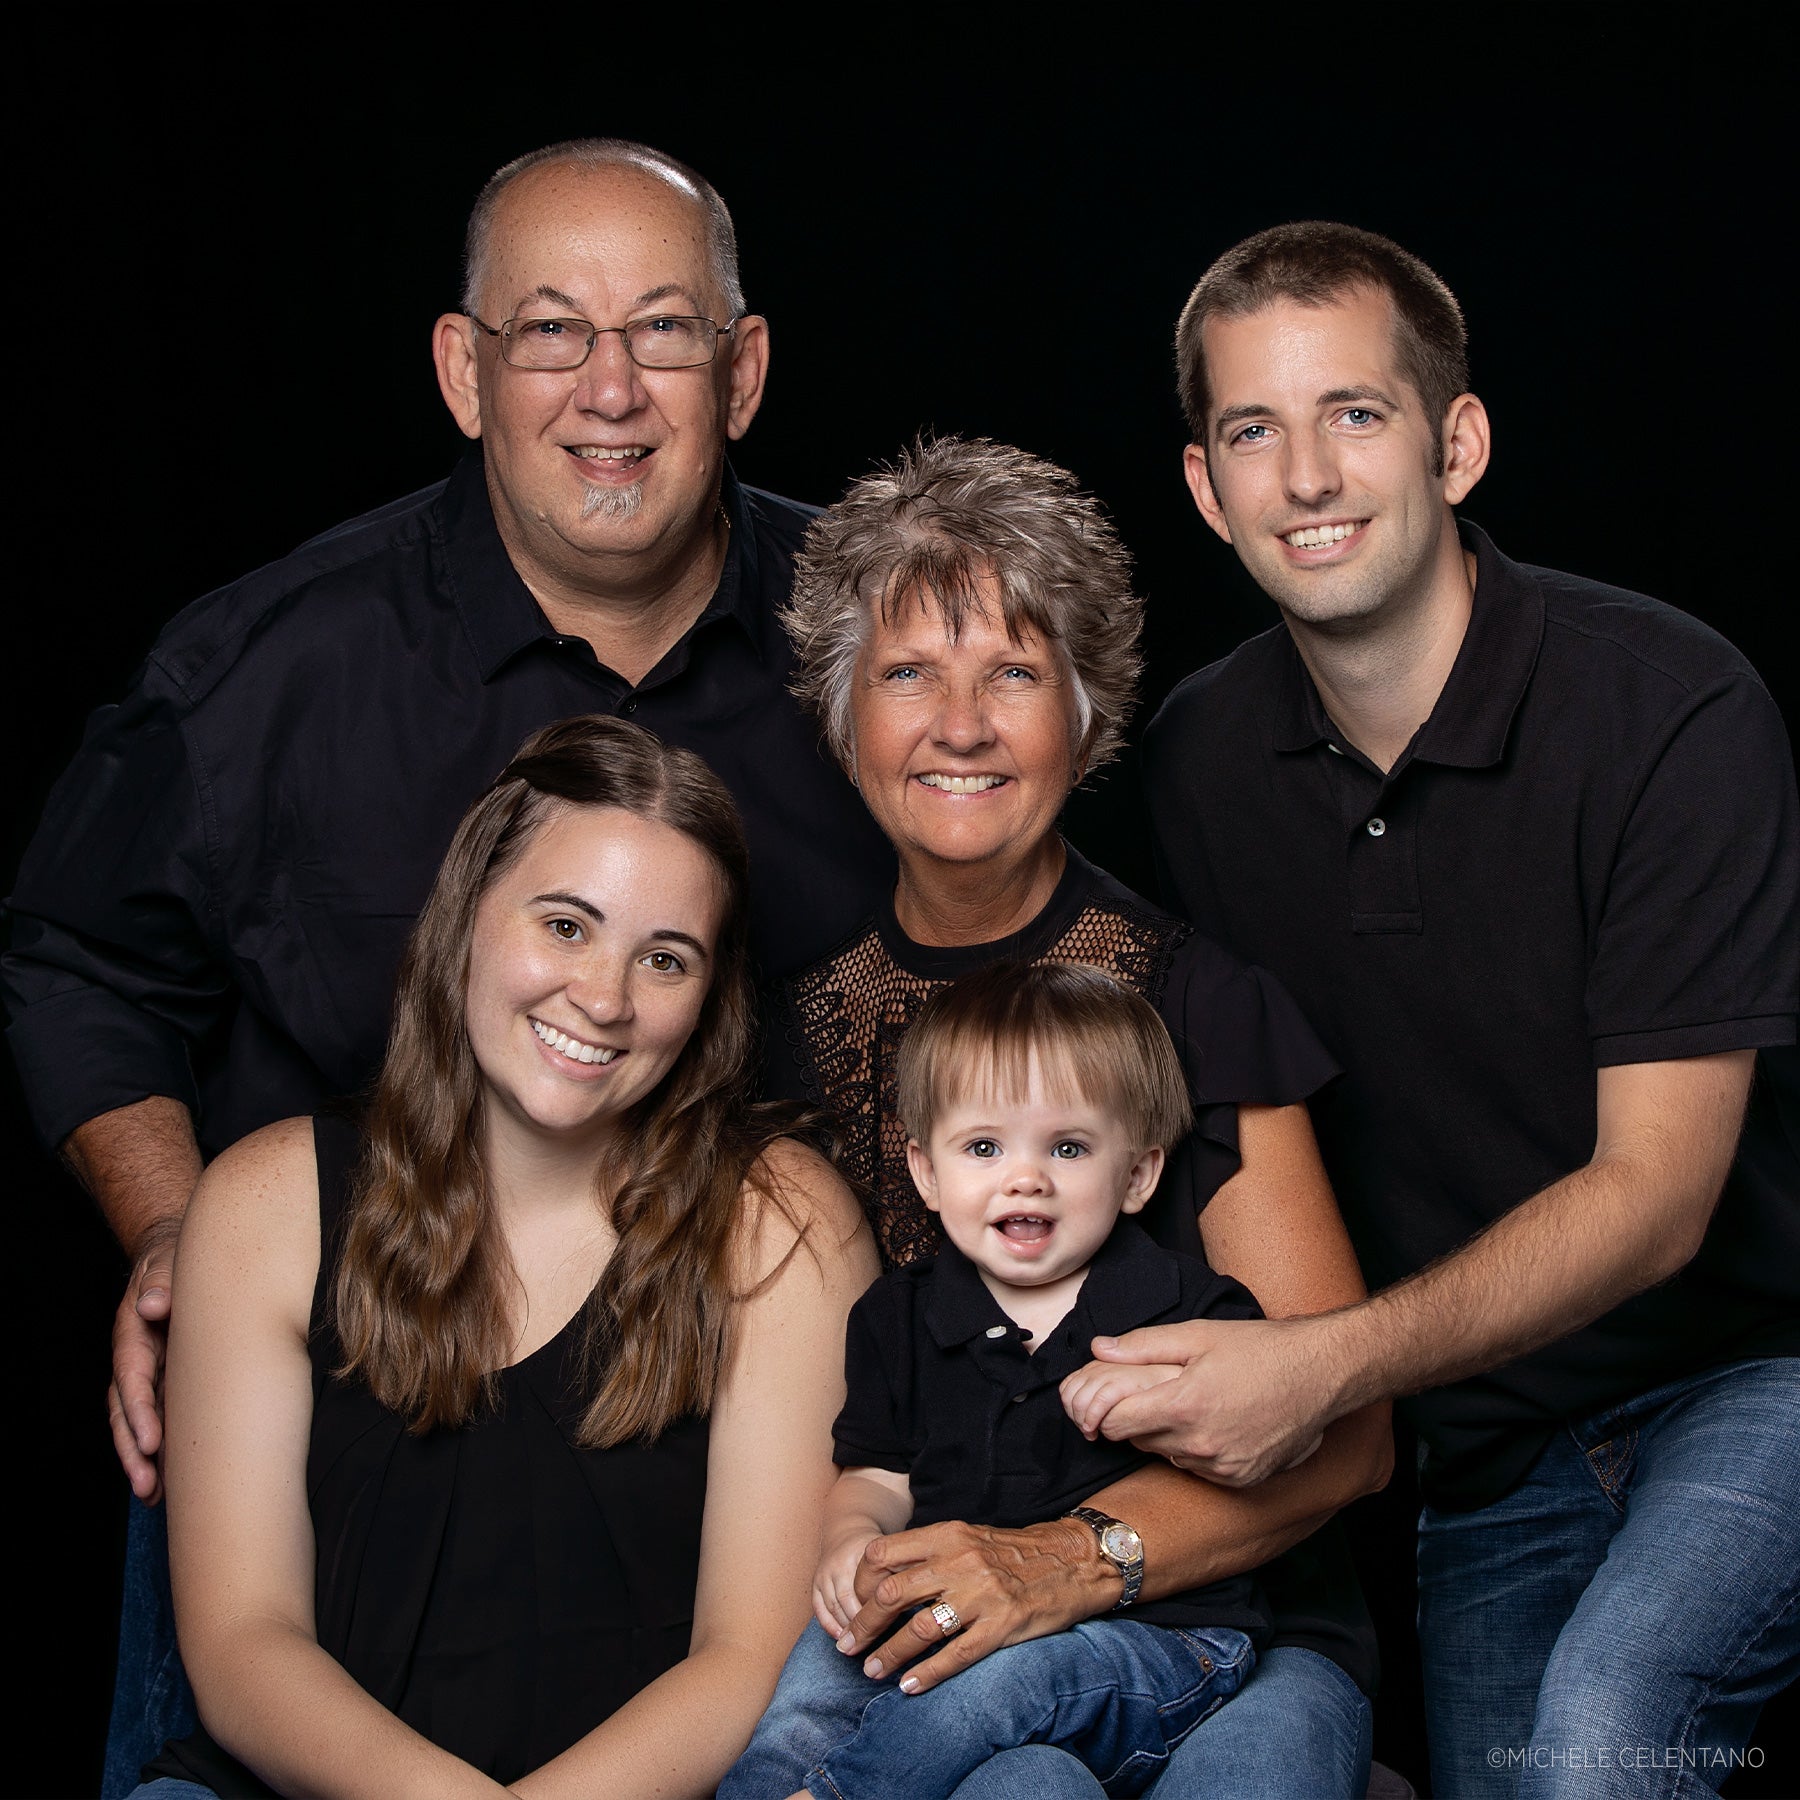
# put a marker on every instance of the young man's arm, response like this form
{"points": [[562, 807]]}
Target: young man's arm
{"points": [[1255, 1394]]}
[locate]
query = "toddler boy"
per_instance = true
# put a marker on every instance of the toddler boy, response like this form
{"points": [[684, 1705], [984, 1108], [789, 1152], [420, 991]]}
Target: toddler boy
{"points": [[1040, 1103]]}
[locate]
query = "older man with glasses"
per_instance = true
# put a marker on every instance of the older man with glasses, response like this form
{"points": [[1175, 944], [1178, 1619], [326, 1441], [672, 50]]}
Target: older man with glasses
{"points": [[208, 921]]}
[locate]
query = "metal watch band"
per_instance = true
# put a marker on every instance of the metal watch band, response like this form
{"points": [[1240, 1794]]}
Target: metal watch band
{"points": [[1130, 1565]]}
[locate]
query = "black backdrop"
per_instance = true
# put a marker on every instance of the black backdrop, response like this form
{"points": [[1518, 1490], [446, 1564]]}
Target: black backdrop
{"points": [[952, 221]]}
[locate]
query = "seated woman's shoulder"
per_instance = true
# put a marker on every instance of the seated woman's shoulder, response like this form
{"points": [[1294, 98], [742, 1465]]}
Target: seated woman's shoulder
{"points": [[794, 1197], [262, 1194]]}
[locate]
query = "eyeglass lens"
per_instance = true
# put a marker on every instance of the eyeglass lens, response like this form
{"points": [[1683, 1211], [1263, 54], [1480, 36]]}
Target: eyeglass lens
{"points": [[669, 342]]}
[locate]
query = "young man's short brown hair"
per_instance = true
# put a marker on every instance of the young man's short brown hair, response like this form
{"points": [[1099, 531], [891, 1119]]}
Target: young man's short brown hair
{"points": [[1315, 263], [1090, 1034]]}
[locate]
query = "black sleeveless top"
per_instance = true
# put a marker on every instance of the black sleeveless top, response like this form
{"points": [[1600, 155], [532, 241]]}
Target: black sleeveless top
{"points": [[1242, 1040], [499, 1587]]}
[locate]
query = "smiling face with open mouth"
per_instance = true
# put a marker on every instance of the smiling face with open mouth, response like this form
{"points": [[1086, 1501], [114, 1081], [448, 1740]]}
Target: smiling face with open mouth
{"points": [[964, 746], [1029, 1185], [590, 962]]}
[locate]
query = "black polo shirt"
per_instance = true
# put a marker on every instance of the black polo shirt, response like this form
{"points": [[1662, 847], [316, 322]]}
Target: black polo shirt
{"points": [[1589, 855], [943, 1391], [215, 904]]}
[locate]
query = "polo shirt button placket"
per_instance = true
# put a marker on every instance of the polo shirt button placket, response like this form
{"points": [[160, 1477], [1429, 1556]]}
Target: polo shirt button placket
{"points": [[1382, 862]]}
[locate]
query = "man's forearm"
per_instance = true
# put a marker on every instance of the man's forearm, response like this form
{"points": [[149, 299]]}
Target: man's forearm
{"points": [[140, 1162], [1627, 1220], [1254, 1394]]}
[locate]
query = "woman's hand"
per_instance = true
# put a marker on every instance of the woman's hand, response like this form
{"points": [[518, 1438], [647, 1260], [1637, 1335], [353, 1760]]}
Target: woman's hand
{"points": [[1091, 1392], [1004, 1587]]}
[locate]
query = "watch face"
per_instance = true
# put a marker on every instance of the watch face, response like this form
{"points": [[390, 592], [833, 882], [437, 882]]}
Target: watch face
{"points": [[1121, 1543]]}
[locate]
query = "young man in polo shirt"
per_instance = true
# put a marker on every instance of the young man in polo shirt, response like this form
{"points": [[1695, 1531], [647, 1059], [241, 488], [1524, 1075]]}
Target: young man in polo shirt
{"points": [[1526, 849]]}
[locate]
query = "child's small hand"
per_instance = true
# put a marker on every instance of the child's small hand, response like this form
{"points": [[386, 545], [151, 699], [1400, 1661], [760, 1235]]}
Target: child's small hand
{"points": [[834, 1583], [1091, 1392]]}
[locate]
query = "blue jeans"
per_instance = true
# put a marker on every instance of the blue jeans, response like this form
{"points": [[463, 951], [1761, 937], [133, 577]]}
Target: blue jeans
{"points": [[1118, 1694], [1299, 1729], [1613, 1626], [152, 1701]]}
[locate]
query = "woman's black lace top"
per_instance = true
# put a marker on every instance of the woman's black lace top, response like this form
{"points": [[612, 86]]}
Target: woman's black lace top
{"points": [[841, 1024]]}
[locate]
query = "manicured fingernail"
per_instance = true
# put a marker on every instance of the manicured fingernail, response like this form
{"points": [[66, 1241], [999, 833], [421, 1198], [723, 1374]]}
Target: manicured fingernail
{"points": [[910, 1685], [847, 1641], [872, 1669], [1108, 1342]]}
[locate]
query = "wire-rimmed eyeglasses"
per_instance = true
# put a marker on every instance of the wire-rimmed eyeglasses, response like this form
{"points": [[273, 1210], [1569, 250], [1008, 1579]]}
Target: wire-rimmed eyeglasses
{"points": [[668, 341]]}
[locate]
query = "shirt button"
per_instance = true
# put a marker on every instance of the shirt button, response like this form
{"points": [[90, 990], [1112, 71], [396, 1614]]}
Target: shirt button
{"points": [[996, 1331], [1017, 1398], [1376, 827], [628, 708]]}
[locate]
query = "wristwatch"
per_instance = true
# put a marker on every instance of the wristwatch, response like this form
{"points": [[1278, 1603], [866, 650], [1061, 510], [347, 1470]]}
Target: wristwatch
{"points": [[1120, 1545]]}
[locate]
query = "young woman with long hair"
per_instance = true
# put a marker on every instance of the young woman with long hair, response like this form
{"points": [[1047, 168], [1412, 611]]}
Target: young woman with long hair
{"points": [[499, 1421]]}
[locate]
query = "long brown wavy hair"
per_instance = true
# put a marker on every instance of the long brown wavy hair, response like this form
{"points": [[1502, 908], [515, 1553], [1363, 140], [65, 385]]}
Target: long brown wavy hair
{"points": [[423, 1278]]}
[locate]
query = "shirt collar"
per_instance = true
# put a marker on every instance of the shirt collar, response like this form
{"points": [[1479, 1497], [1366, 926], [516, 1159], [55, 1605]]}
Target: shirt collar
{"points": [[499, 615], [1129, 1282], [1469, 724]]}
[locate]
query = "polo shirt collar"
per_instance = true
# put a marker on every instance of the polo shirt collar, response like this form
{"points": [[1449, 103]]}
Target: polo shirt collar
{"points": [[1469, 724], [501, 618], [1297, 717], [1129, 1283]]}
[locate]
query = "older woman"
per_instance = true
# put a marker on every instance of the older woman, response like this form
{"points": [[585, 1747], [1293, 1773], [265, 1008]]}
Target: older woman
{"points": [[967, 635], [481, 1411]]}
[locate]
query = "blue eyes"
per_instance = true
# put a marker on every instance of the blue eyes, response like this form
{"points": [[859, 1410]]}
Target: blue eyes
{"points": [[1358, 418], [909, 672], [987, 1149]]}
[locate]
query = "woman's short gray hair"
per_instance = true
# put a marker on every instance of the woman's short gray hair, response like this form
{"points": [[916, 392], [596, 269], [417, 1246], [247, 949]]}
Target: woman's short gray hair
{"points": [[938, 520]]}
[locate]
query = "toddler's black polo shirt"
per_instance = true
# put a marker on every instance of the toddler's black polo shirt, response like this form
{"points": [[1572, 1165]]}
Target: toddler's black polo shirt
{"points": [[1589, 855], [943, 1390]]}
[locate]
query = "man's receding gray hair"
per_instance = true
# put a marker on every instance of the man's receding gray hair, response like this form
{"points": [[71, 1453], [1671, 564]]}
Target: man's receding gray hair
{"points": [[605, 153], [935, 522]]}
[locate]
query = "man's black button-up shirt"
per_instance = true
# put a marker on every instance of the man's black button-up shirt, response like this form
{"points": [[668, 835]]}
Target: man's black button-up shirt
{"points": [[1588, 856], [943, 1391], [215, 904]]}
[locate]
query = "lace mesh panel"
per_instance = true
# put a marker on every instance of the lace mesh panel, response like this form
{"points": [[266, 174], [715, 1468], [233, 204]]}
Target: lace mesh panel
{"points": [[851, 1013]]}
